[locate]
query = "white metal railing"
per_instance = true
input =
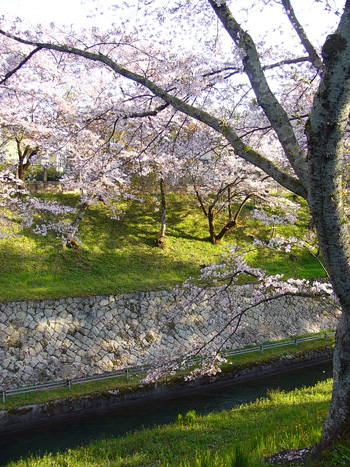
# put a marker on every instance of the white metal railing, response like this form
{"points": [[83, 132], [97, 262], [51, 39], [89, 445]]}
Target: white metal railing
{"points": [[132, 370]]}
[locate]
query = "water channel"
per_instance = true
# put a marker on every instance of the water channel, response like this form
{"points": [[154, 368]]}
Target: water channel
{"points": [[76, 432]]}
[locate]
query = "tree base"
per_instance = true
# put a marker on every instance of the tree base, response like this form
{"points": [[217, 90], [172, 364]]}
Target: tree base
{"points": [[160, 241]]}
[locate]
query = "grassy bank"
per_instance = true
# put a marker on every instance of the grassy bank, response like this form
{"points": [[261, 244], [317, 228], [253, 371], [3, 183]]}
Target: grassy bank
{"points": [[243, 436], [119, 256]]}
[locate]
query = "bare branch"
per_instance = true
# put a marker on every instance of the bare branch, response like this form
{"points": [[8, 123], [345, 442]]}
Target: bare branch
{"points": [[23, 62], [235, 71], [269, 127], [289, 61], [313, 55], [147, 113]]}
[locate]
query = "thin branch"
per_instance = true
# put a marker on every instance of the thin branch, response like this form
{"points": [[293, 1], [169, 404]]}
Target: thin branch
{"points": [[147, 113], [23, 62], [289, 61], [313, 55], [269, 127]]}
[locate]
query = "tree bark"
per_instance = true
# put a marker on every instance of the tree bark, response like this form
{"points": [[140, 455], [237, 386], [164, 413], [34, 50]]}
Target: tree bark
{"points": [[212, 233], [160, 241], [69, 240], [229, 203], [24, 159], [325, 132], [337, 424], [232, 222], [163, 201]]}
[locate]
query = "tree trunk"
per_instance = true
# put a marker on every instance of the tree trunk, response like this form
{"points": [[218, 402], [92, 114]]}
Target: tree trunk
{"points": [[337, 424], [229, 202], [69, 240], [325, 132], [161, 239], [226, 228], [212, 234], [232, 222], [21, 173], [24, 159], [163, 220]]}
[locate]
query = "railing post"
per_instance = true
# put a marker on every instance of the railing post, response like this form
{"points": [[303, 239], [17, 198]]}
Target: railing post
{"points": [[127, 373], [69, 384], [262, 348], [4, 396]]}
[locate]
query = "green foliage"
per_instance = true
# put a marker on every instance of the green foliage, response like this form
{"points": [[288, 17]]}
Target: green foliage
{"points": [[36, 174], [239, 458], [339, 456], [187, 420]]}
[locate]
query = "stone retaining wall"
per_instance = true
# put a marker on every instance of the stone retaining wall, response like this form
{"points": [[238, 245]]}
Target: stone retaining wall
{"points": [[50, 340]]}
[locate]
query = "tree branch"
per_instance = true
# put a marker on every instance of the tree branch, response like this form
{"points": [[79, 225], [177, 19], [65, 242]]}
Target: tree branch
{"points": [[23, 62], [147, 113], [314, 58], [234, 71], [269, 127], [277, 116]]}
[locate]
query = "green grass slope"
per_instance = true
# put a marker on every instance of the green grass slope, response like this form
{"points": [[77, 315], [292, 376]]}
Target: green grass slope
{"points": [[119, 256]]}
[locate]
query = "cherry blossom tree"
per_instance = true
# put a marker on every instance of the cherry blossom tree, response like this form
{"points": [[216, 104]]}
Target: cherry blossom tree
{"points": [[159, 154], [42, 115], [212, 79], [220, 182]]}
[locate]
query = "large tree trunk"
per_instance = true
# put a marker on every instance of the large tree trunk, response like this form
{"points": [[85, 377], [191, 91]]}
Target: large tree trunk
{"points": [[337, 424], [325, 132]]}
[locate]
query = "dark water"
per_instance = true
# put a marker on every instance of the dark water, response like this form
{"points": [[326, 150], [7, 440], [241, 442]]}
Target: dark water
{"points": [[72, 433]]}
